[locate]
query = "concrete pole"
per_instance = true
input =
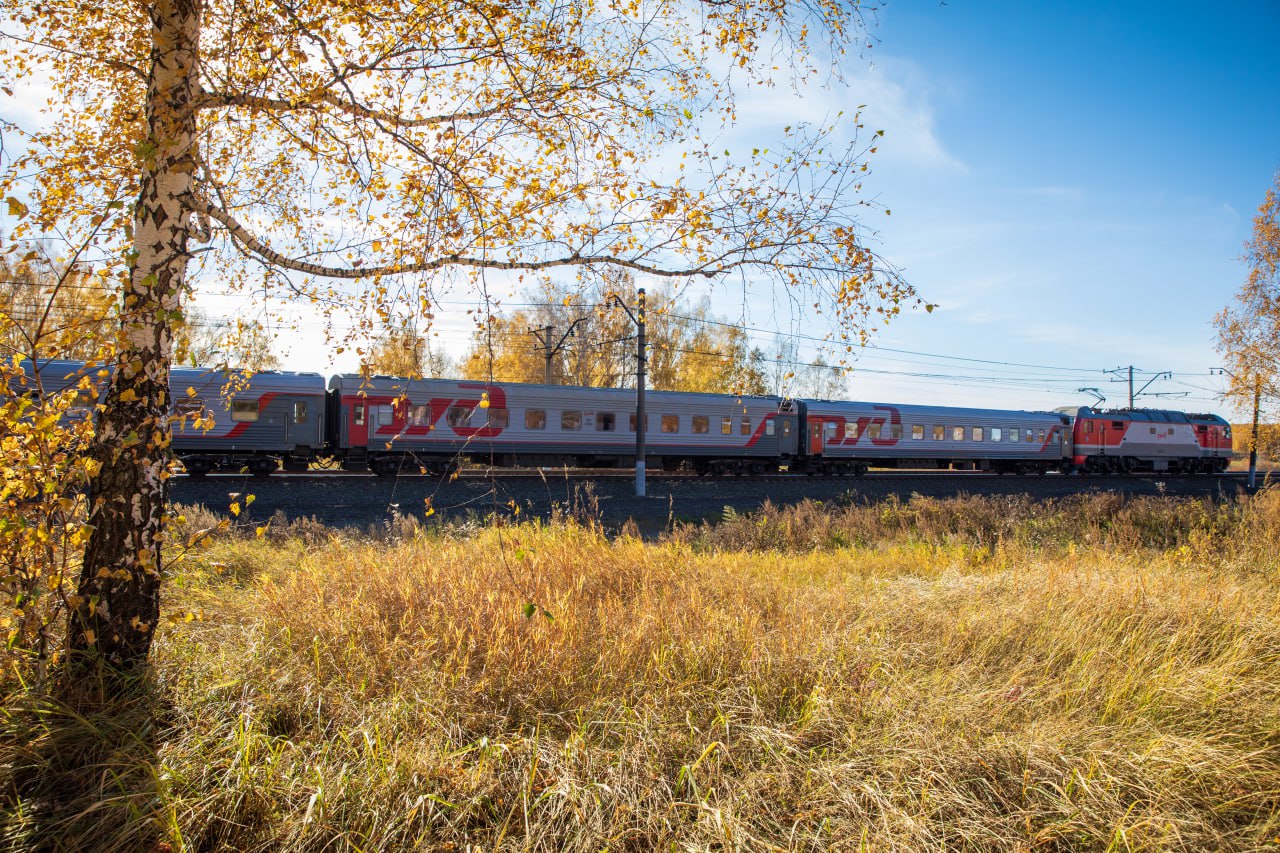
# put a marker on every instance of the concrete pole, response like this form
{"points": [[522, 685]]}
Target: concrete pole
{"points": [[640, 377], [1253, 436]]}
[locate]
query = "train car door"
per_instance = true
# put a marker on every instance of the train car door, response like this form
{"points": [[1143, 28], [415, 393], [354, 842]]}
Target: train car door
{"points": [[302, 427], [358, 422], [815, 436], [788, 439]]}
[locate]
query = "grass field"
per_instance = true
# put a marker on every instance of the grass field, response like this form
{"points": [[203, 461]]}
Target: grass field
{"points": [[1095, 673]]}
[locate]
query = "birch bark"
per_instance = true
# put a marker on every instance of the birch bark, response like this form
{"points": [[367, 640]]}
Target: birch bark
{"points": [[117, 605]]}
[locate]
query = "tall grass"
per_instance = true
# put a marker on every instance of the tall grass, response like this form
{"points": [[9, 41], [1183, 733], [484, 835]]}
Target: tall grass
{"points": [[1101, 673]]}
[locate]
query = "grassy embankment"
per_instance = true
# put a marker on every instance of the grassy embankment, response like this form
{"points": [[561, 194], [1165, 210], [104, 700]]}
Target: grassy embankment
{"points": [[985, 674]]}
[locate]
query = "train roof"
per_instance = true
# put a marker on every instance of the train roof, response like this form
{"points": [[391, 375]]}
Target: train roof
{"points": [[61, 373], [939, 412], [216, 378], [383, 384], [1168, 416]]}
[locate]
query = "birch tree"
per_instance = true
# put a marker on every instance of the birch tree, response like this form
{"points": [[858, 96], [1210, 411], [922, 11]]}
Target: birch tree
{"points": [[1249, 329], [344, 153]]}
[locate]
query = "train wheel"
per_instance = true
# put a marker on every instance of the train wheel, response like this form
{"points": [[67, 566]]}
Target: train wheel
{"points": [[1128, 465], [262, 466], [197, 467], [860, 469], [386, 466]]}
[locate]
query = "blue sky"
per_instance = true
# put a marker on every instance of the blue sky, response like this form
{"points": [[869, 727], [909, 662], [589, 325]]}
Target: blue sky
{"points": [[1072, 183]]}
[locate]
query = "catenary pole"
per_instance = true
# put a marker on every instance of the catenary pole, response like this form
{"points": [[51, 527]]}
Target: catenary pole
{"points": [[1253, 436], [638, 317], [640, 378]]}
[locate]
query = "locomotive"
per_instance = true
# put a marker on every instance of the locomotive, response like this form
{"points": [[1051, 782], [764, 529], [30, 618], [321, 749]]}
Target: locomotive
{"points": [[262, 422]]}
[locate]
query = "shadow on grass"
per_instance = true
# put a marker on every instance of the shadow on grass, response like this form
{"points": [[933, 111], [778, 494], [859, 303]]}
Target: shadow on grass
{"points": [[78, 772]]}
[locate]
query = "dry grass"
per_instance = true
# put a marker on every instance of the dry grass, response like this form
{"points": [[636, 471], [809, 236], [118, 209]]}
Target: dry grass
{"points": [[978, 674]]}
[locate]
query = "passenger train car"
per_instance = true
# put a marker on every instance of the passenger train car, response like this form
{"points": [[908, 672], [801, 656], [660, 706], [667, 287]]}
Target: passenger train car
{"points": [[394, 424], [262, 421], [258, 421], [843, 437]]}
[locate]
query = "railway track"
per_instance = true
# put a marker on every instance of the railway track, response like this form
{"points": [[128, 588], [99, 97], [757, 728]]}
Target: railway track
{"points": [[541, 474], [364, 501]]}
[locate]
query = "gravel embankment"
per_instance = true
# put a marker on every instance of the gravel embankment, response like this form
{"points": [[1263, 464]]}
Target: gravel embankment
{"points": [[364, 501]]}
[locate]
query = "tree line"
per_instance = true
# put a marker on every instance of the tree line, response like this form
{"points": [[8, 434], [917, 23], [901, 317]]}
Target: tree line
{"points": [[569, 335]]}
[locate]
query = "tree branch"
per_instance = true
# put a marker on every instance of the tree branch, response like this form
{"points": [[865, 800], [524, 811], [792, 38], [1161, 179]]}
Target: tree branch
{"points": [[251, 243], [219, 100]]}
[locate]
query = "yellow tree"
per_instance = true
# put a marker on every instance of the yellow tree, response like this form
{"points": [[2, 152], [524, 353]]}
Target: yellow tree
{"points": [[331, 147], [1249, 329], [51, 310], [593, 342], [242, 344], [405, 351]]}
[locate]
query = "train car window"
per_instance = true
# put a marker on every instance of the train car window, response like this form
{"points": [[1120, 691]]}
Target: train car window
{"points": [[895, 430], [1088, 426], [744, 428], [670, 423], [1030, 436], [939, 432], [701, 423], [192, 407], [851, 430], [571, 420], [831, 429], [605, 421], [917, 432], [977, 434], [535, 418], [1153, 430], [631, 422], [83, 399], [874, 431], [957, 433], [1013, 434], [386, 414], [299, 412], [768, 427], [1117, 424], [418, 415], [499, 418], [1040, 436], [358, 414], [244, 411], [458, 415], [996, 434], [726, 426]]}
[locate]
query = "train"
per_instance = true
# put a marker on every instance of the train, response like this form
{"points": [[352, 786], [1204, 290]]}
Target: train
{"points": [[272, 421]]}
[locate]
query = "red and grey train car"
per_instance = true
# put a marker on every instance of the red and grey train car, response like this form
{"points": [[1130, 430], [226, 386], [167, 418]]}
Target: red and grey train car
{"points": [[391, 424], [849, 437], [224, 420], [232, 420], [1127, 440]]}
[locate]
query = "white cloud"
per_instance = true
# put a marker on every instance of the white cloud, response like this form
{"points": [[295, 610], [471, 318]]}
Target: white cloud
{"points": [[899, 101]]}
